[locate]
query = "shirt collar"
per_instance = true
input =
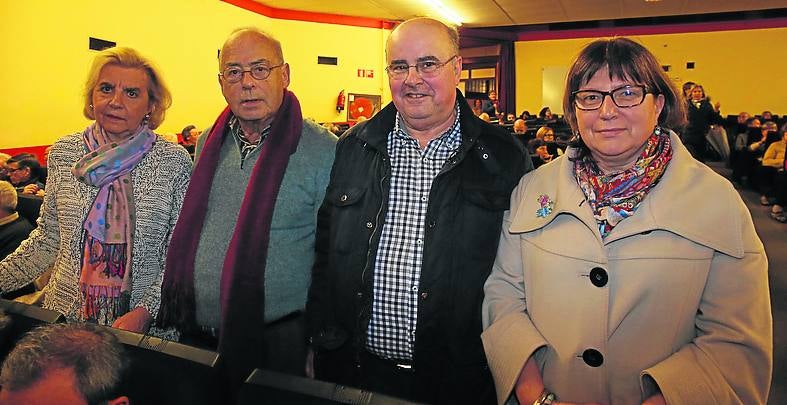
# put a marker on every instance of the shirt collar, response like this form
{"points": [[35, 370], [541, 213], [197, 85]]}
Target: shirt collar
{"points": [[452, 137], [245, 146]]}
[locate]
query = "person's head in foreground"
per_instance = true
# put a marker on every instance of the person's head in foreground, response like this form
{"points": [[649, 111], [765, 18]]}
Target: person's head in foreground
{"points": [[67, 364]]}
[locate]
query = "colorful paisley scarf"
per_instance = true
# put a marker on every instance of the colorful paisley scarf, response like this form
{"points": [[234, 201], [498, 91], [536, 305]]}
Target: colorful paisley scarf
{"points": [[615, 196], [105, 280]]}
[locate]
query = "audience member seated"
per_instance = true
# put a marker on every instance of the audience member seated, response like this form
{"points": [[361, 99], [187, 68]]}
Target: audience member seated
{"points": [[13, 228], [491, 106], [65, 364], [538, 152], [768, 135], [744, 162], [743, 119], [188, 139], [24, 173], [545, 115], [766, 116], [772, 162], [780, 185], [477, 107], [526, 115], [3, 159], [738, 136], [520, 127], [547, 135]]}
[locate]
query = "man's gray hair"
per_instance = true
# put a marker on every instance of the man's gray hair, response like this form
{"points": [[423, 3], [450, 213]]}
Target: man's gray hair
{"points": [[262, 34], [92, 352]]}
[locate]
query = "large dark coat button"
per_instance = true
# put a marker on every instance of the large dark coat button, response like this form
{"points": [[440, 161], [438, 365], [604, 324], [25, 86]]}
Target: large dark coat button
{"points": [[593, 357], [599, 277]]}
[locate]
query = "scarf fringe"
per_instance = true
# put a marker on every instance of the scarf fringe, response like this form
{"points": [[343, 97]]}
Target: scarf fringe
{"points": [[180, 308], [102, 304]]}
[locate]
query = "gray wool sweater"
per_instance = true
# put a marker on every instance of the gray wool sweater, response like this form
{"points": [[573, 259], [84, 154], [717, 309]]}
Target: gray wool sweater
{"points": [[159, 180], [291, 247]]}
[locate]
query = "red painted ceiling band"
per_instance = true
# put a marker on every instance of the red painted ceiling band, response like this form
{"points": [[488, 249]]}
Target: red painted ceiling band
{"points": [[308, 16]]}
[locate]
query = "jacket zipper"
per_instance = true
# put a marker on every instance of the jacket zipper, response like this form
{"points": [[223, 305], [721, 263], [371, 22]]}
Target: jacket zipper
{"points": [[361, 337], [376, 223]]}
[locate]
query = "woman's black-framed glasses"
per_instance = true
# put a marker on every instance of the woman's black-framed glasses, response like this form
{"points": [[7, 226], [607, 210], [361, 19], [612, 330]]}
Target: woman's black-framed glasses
{"points": [[426, 68], [624, 97], [234, 74]]}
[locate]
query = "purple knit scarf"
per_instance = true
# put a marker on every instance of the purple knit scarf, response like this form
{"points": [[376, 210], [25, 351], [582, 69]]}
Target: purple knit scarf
{"points": [[242, 294]]}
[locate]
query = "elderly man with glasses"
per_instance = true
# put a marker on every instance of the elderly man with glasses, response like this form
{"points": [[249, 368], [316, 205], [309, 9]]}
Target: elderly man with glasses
{"points": [[239, 264], [408, 232]]}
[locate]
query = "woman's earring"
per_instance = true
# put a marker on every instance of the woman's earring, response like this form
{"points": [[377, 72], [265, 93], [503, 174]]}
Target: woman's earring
{"points": [[91, 106], [146, 118]]}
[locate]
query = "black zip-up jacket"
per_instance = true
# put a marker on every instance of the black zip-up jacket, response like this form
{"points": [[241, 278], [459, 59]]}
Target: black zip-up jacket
{"points": [[463, 223]]}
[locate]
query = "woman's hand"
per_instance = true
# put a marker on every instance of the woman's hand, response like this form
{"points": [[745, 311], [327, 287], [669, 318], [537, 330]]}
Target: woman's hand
{"points": [[137, 320], [657, 399], [530, 385]]}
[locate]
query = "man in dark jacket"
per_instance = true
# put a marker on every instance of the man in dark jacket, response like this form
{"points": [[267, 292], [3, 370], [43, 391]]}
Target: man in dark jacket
{"points": [[13, 228], [408, 232]]}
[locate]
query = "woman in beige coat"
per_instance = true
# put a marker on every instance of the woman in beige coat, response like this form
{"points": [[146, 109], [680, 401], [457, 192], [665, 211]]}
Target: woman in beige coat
{"points": [[627, 271]]}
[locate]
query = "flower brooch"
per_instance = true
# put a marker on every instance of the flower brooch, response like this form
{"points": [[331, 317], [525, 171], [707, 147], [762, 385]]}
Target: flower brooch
{"points": [[546, 206]]}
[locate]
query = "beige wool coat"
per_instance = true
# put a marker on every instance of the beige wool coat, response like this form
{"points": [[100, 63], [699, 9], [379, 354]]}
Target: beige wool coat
{"points": [[676, 294]]}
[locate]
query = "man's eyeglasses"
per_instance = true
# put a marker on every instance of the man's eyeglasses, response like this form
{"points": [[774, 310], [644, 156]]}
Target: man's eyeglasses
{"points": [[234, 74], [623, 97], [426, 68], [10, 170]]}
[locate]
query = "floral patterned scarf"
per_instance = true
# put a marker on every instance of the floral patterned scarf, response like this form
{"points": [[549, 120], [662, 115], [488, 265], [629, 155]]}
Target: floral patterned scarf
{"points": [[615, 196], [105, 277]]}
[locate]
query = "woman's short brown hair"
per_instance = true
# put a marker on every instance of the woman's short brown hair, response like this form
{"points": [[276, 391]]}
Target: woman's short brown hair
{"points": [[543, 131], [160, 97], [628, 60]]}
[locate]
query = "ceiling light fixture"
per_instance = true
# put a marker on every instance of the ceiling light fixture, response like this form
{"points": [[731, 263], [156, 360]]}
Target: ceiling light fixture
{"points": [[446, 13]]}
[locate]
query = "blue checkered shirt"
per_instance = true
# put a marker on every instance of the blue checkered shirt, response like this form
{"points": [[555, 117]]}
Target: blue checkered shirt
{"points": [[397, 267]]}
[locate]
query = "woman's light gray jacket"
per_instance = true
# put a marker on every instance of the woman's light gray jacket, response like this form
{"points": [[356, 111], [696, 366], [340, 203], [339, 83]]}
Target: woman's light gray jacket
{"points": [[676, 294]]}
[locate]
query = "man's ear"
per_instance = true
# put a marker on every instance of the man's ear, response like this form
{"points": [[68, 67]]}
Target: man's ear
{"points": [[119, 401]]}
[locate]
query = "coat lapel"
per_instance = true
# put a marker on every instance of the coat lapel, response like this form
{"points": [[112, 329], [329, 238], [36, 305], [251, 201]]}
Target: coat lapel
{"points": [[672, 205]]}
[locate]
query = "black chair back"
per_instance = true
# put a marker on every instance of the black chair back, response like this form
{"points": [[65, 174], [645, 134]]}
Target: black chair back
{"points": [[167, 372], [270, 387]]}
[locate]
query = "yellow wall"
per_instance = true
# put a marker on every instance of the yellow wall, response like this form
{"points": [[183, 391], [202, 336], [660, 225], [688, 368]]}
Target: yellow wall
{"points": [[741, 69], [45, 56]]}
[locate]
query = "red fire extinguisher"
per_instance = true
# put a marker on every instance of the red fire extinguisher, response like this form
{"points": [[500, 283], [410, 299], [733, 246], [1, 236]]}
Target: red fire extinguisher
{"points": [[340, 101]]}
